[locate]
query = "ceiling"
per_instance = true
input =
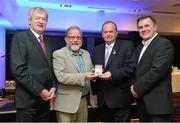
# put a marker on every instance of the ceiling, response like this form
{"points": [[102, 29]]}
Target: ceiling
{"points": [[165, 7], [90, 14]]}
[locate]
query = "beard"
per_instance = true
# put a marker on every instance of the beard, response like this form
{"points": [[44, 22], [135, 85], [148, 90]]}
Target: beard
{"points": [[75, 48]]}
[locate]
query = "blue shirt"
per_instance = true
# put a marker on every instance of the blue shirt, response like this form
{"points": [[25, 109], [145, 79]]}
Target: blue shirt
{"points": [[82, 68]]}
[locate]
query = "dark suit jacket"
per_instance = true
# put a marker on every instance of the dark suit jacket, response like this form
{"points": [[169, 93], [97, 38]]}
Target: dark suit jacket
{"points": [[115, 92], [153, 76], [31, 69]]}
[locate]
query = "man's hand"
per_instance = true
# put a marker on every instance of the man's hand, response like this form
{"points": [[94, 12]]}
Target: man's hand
{"points": [[52, 93], [133, 92], [106, 76], [93, 100], [90, 75], [45, 95]]}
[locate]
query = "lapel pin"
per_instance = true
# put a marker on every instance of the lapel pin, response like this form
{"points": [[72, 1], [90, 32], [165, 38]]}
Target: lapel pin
{"points": [[114, 52]]}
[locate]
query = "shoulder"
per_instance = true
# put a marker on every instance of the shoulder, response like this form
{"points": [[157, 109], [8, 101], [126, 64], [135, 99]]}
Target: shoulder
{"points": [[85, 51], [100, 46], [20, 38], [60, 51], [163, 41], [125, 44], [21, 34]]}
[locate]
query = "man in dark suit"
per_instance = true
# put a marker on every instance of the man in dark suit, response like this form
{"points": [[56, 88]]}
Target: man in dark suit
{"points": [[32, 70], [112, 87], [152, 83]]}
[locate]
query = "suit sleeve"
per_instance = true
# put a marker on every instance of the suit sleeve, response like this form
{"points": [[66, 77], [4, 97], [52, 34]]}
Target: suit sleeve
{"points": [[19, 66], [64, 75], [54, 80], [161, 65]]}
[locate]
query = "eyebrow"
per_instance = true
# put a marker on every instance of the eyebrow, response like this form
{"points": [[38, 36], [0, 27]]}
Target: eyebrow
{"points": [[143, 25]]}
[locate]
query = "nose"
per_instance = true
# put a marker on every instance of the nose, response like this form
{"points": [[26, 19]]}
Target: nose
{"points": [[143, 29], [41, 20], [75, 38], [108, 33]]}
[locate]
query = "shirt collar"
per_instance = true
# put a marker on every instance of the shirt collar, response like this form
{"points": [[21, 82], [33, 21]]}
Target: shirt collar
{"points": [[111, 45], [36, 35], [145, 43]]}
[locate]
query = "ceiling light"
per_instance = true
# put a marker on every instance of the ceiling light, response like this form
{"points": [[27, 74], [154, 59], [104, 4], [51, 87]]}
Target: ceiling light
{"points": [[134, 10], [65, 5]]}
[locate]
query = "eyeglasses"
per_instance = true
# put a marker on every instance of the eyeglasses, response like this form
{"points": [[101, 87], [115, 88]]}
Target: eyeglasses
{"points": [[75, 37]]}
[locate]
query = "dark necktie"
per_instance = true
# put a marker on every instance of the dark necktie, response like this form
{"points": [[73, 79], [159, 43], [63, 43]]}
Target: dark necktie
{"points": [[42, 44]]}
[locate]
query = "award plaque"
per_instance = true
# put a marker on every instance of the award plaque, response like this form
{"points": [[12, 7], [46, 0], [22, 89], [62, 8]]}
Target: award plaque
{"points": [[98, 70]]}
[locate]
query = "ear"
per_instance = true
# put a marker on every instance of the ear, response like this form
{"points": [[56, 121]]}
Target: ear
{"points": [[29, 23], [155, 27], [116, 33], [66, 40]]}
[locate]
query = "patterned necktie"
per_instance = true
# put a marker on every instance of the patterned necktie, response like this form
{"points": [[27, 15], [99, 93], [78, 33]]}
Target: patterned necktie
{"points": [[107, 54], [42, 44]]}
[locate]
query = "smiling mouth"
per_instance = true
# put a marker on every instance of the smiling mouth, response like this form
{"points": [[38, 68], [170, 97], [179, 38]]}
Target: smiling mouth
{"points": [[145, 33], [75, 44], [40, 25]]}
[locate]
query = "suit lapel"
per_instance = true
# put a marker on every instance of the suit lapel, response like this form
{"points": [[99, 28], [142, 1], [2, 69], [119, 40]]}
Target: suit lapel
{"points": [[86, 61], [48, 52], [137, 52], [36, 44], [115, 49], [73, 60], [148, 49], [102, 55]]}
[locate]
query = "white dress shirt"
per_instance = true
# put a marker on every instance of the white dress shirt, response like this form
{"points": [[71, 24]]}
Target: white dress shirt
{"points": [[146, 44]]}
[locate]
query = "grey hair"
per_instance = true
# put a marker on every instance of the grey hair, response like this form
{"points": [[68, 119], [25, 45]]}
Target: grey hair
{"points": [[37, 9], [73, 27]]}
